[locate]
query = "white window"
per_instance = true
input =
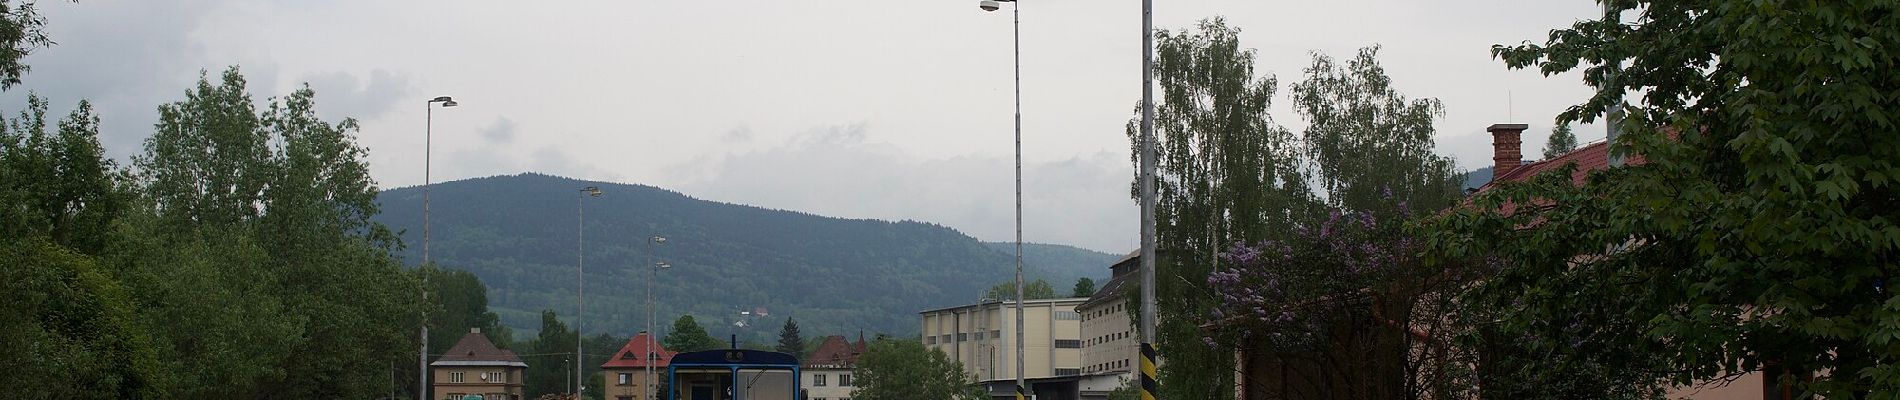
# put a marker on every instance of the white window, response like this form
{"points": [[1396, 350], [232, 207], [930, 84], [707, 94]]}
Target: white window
{"points": [[818, 379], [455, 377], [844, 379], [626, 379]]}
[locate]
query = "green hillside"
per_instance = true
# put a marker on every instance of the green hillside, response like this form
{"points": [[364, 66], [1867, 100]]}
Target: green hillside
{"points": [[518, 234], [1059, 264]]}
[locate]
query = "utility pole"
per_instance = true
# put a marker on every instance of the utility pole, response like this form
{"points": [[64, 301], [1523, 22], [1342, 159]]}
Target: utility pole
{"points": [[1148, 367]]}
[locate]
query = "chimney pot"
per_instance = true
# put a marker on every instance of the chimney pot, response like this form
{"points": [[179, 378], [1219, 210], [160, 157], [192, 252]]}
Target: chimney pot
{"points": [[1507, 148]]}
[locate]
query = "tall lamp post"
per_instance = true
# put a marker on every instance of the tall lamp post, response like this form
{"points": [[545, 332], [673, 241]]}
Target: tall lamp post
{"points": [[580, 281], [1016, 23], [428, 138], [653, 272]]}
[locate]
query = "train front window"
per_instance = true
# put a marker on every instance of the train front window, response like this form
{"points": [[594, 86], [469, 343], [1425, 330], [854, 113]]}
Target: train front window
{"points": [[734, 384]]}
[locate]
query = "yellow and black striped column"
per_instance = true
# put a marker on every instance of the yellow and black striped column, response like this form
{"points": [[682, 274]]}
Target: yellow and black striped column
{"points": [[1148, 381], [1019, 393]]}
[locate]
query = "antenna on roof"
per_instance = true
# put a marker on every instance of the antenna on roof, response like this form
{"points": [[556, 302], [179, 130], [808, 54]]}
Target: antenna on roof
{"points": [[1510, 106]]}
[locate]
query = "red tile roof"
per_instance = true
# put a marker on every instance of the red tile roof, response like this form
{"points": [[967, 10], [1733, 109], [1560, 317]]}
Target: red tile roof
{"points": [[835, 352], [475, 347], [1593, 157], [631, 355]]}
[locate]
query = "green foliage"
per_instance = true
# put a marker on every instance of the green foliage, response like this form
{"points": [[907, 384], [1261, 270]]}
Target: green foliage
{"points": [[1561, 141], [67, 328], [59, 185], [687, 337], [22, 30], [1034, 290], [1084, 287], [551, 363], [1760, 232], [904, 369], [1130, 390], [458, 301], [1371, 148], [1228, 174], [1224, 173], [600, 348], [790, 341]]}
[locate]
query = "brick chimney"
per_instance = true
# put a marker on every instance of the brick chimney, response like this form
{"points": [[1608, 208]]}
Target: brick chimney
{"points": [[1507, 148]]}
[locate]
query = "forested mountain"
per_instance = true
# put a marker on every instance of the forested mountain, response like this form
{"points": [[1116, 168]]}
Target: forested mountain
{"points": [[1058, 264], [518, 234], [1477, 178]]}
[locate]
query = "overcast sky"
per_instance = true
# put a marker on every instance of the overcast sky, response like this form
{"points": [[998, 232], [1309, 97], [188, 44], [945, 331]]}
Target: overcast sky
{"points": [[851, 108]]}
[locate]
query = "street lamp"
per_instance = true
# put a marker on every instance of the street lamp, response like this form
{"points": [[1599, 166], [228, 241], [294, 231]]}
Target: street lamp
{"points": [[653, 269], [580, 281], [1016, 28], [428, 138]]}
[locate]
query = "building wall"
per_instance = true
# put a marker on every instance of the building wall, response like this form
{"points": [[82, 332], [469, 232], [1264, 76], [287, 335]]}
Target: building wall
{"points": [[982, 337], [1109, 340], [505, 384], [633, 390], [1746, 387], [835, 387]]}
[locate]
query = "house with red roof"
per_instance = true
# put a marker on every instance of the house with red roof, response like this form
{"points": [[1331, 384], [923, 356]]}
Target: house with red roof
{"points": [[475, 367], [1506, 146], [624, 376], [827, 371]]}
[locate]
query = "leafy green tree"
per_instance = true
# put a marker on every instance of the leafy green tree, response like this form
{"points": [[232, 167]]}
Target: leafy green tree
{"points": [[210, 159], [1759, 231], [1224, 172], [1033, 290], [1130, 390], [59, 184], [459, 301], [22, 30], [1561, 141], [67, 329], [600, 349], [905, 369], [790, 340], [1370, 147], [688, 336], [278, 201], [221, 328], [1228, 174], [1084, 287], [551, 367]]}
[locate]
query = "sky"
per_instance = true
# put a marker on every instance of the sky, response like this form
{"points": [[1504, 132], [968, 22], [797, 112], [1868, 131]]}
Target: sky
{"points": [[897, 110]]}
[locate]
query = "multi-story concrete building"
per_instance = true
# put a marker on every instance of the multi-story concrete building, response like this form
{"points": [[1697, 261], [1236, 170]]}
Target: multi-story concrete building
{"points": [[1110, 343], [982, 336], [625, 375], [475, 367], [827, 371]]}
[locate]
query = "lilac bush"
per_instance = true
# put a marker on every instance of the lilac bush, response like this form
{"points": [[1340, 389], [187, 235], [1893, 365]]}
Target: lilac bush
{"points": [[1281, 293]]}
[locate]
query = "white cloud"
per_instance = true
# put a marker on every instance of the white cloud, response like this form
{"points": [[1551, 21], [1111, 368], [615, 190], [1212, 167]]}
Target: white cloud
{"points": [[1080, 200]]}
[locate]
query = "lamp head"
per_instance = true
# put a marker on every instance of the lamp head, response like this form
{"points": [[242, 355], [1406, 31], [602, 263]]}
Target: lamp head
{"points": [[591, 191], [441, 99], [658, 239], [662, 265], [989, 5], [450, 103]]}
